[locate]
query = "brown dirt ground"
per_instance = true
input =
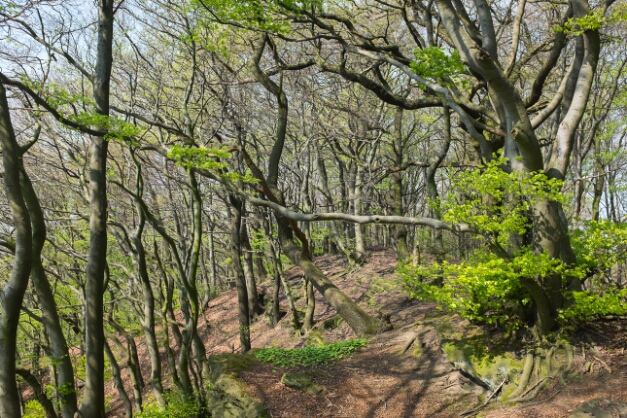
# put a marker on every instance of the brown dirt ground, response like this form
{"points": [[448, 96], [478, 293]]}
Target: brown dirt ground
{"points": [[378, 381]]}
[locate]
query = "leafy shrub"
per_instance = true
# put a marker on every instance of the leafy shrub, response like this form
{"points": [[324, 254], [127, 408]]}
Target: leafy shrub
{"points": [[179, 406], [488, 288], [33, 409], [310, 356]]}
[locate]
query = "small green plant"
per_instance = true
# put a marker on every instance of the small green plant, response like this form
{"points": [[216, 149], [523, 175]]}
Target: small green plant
{"points": [[33, 409], [310, 356], [179, 406]]}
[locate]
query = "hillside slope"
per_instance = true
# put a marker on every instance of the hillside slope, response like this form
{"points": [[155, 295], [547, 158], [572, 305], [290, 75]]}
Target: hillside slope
{"points": [[396, 374]]}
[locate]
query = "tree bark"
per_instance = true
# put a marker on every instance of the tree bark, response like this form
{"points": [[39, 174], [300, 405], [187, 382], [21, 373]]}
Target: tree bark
{"points": [[93, 394], [50, 317], [243, 313], [12, 294], [117, 381]]}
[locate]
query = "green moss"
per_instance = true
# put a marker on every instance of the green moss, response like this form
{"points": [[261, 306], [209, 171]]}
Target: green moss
{"points": [[301, 381], [315, 339], [334, 322], [230, 364], [228, 398]]}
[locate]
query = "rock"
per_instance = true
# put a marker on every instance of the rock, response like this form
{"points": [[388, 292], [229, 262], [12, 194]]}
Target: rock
{"points": [[600, 408], [301, 381], [315, 339], [227, 398]]}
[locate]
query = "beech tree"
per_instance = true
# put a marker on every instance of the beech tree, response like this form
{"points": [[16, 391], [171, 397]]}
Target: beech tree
{"points": [[157, 153]]}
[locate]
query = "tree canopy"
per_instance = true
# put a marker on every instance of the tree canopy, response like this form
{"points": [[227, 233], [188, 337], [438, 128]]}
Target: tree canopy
{"points": [[157, 152]]}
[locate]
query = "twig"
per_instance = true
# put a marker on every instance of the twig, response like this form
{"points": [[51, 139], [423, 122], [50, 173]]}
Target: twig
{"points": [[495, 392], [535, 385], [410, 342], [597, 333], [604, 364]]}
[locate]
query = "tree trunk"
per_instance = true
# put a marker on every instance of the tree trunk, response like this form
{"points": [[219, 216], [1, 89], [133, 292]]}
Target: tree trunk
{"points": [[254, 308], [39, 392], [93, 394], [117, 381], [13, 291], [359, 321], [310, 299], [402, 252], [240, 280], [50, 317]]}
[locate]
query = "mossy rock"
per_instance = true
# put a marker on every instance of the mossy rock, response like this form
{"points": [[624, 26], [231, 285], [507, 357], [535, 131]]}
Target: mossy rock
{"points": [[228, 398], [467, 356], [315, 339], [465, 346], [301, 381], [598, 408], [230, 364], [332, 323]]}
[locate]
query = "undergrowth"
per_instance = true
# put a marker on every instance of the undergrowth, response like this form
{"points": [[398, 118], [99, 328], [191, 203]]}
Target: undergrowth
{"points": [[179, 406], [310, 356]]}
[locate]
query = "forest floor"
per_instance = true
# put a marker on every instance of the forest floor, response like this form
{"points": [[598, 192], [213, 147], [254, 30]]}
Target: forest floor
{"points": [[380, 380]]}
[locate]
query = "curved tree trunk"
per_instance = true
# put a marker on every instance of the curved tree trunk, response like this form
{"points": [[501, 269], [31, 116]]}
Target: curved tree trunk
{"points": [[117, 381], [12, 293], [50, 317]]}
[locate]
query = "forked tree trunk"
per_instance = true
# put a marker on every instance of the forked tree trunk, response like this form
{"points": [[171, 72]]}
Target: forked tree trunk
{"points": [[12, 293], [50, 317]]}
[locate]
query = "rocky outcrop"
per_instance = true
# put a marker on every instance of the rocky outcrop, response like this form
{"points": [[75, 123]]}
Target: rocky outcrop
{"points": [[601, 408], [227, 398], [301, 381]]}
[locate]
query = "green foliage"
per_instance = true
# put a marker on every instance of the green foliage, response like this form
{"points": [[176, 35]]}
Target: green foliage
{"points": [[268, 15], [600, 244], [117, 129], [577, 26], [310, 356], [179, 406], [488, 287], [207, 159], [496, 202], [591, 304], [33, 409], [434, 63]]}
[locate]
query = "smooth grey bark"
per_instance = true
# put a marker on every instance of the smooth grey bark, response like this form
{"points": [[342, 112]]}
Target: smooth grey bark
{"points": [[254, 307], [12, 293], [50, 318], [432, 189], [198, 348], [166, 308], [117, 381], [351, 312], [93, 395], [148, 320], [322, 171], [243, 313], [132, 360], [400, 234]]}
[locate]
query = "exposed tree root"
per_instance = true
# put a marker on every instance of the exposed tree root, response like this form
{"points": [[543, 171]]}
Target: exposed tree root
{"points": [[545, 366], [526, 374], [533, 391]]}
